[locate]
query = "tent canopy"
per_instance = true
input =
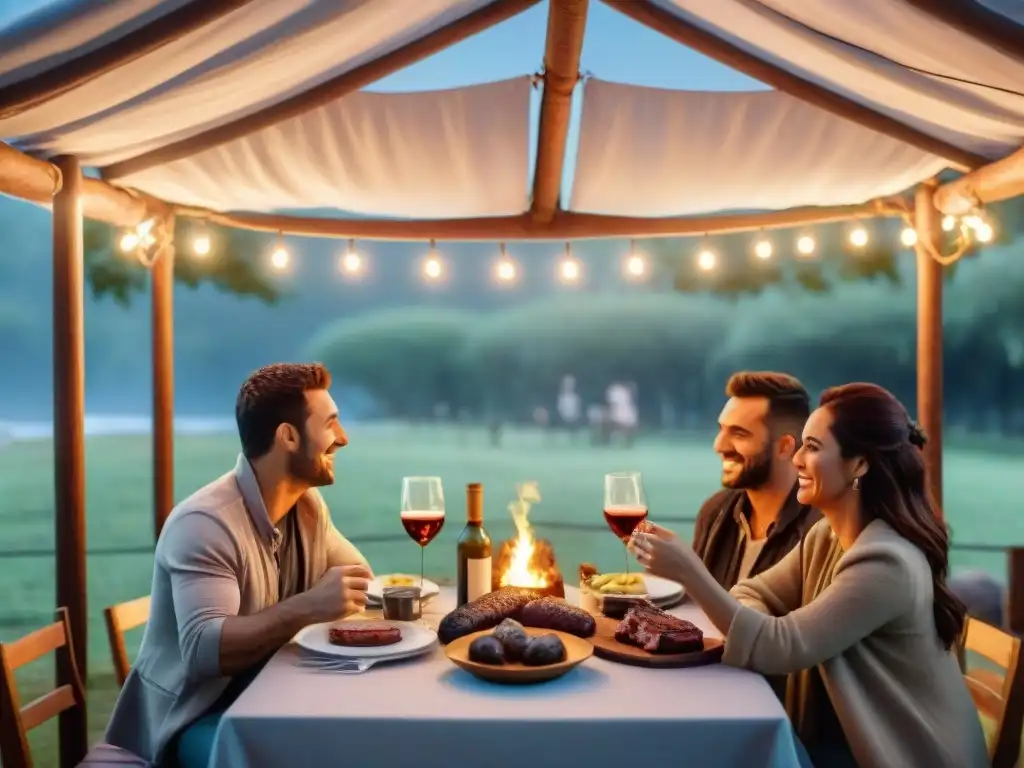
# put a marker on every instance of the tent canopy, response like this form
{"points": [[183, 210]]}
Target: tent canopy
{"points": [[258, 105]]}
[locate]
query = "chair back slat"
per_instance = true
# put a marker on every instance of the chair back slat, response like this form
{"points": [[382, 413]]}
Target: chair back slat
{"points": [[122, 618], [47, 706], [15, 720], [1000, 697]]}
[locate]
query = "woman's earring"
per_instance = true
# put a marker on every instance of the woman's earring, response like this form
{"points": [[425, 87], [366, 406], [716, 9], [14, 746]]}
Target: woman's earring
{"points": [[856, 483]]}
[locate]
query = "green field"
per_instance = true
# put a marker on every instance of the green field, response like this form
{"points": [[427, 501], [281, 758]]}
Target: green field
{"points": [[983, 496]]}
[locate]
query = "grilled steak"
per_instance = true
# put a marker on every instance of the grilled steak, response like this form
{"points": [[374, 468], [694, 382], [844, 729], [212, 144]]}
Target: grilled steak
{"points": [[655, 631], [484, 613], [364, 633], [554, 613]]}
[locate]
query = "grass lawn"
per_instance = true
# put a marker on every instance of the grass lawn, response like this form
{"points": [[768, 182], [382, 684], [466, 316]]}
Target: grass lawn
{"points": [[983, 493]]}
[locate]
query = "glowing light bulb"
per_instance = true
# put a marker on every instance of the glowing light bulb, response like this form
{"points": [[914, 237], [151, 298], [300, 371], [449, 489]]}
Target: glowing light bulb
{"points": [[432, 268], [984, 232], [707, 260], [908, 237], [948, 223], [973, 221], [280, 258], [858, 237], [569, 270], [351, 263], [763, 249], [505, 270], [129, 242], [201, 245], [805, 245], [636, 266]]}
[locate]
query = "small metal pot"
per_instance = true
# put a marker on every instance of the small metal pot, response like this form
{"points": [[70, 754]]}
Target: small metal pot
{"points": [[401, 603]]}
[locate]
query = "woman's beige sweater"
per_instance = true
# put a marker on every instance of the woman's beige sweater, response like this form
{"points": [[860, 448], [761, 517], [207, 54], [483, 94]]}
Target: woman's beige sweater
{"points": [[864, 619]]}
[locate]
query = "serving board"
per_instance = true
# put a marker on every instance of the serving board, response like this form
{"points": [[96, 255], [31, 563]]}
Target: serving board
{"points": [[607, 647], [576, 652]]}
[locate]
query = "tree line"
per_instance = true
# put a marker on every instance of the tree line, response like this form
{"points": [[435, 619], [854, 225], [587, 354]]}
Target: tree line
{"points": [[679, 350]]}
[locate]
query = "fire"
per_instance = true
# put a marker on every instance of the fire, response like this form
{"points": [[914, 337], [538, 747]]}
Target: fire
{"points": [[520, 571]]}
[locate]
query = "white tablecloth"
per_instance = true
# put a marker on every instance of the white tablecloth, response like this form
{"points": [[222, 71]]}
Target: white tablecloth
{"points": [[427, 713]]}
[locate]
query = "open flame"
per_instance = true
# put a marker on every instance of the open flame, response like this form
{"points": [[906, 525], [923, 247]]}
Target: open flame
{"points": [[520, 571]]}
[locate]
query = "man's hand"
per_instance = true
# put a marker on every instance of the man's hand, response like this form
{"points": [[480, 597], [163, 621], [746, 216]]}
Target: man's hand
{"points": [[340, 592]]}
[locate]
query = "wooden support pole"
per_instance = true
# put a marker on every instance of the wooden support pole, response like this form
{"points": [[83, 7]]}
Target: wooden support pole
{"points": [[162, 329], [567, 21], [991, 183], [69, 439], [928, 223]]}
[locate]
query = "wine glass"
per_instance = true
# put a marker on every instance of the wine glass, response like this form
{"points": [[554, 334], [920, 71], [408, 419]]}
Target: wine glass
{"points": [[625, 505], [422, 513]]}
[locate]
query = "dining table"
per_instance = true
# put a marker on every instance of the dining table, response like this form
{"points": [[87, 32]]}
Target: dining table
{"points": [[426, 712]]}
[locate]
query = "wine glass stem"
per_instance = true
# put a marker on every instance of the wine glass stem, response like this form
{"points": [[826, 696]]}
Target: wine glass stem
{"points": [[423, 557], [627, 557]]}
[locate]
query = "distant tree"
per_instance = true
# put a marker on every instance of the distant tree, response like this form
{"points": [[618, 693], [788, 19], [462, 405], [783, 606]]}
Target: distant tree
{"points": [[233, 264], [517, 358], [408, 359]]}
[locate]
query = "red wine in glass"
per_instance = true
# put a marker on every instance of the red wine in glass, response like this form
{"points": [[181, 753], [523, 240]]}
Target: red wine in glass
{"points": [[625, 505], [422, 525], [624, 520]]}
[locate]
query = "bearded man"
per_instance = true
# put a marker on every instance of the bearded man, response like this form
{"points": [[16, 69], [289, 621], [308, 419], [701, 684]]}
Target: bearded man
{"points": [[240, 567], [756, 519]]}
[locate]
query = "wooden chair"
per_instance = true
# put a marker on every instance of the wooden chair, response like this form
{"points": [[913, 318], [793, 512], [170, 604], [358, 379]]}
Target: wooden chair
{"points": [[16, 721], [122, 618], [999, 697]]}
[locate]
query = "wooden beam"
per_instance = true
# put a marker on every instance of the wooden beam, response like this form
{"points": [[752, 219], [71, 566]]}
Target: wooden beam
{"points": [[565, 225], [567, 21], [38, 181], [69, 439], [996, 181], [928, 223], [39, 89], [724, 52], [981, 23], [325, 93], [162, 351]]}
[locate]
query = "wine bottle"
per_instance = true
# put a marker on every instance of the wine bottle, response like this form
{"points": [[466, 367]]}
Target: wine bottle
{"points": [[474, 549]]}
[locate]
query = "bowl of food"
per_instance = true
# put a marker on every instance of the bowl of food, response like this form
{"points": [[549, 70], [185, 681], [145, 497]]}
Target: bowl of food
{"points": [[610, 593], [512, 653]]}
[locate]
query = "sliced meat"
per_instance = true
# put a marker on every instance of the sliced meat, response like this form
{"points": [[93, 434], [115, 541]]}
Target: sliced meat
{"points": [[555, 613], [656, 631], [484, 613], [364, 634]]}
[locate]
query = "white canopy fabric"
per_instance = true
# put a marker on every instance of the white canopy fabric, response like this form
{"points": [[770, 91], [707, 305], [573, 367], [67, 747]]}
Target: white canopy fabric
{"points": [[838, 44], [464, 152], [429, 155], [655, 152]]}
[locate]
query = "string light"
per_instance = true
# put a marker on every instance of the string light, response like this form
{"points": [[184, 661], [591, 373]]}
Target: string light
{"points": [[984, 232], [908, 237], [763, 248], [140, 239], [635, 266], [129, 242], [201, 245], [858, 237], [805, 245], [504, 268], [433, 269], [707, 260], [948, 223], [351, 261], [568, 268], [280, 258]]}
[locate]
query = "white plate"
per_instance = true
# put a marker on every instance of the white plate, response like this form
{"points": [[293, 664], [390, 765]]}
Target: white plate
{"points": [[375, 592], [660, 590], [415, 639]]}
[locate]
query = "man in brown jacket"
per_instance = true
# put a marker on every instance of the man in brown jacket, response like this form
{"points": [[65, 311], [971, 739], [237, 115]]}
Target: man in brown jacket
{"points": [[755, 520]]}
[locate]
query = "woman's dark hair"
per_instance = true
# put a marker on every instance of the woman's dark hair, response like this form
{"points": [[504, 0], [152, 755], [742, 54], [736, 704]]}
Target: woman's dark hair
{"points": [[869, 421]]}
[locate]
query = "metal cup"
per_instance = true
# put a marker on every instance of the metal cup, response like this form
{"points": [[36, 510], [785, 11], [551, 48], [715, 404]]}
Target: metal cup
{"points": [[401, 603]]}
